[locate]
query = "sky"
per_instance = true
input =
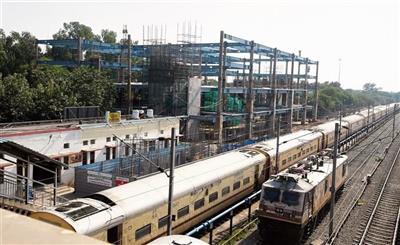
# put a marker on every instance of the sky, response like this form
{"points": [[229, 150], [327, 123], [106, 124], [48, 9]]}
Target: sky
{"points": [[362, 35]]}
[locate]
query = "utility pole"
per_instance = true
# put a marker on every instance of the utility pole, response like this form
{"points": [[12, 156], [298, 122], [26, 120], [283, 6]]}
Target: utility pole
{"points": [[333, 188], [340, 116], [278, 132], [171, 183], [340, 122], [250, 94], [129, 75], [368, 120], [220, 105], [394, 121], [340, 67]]}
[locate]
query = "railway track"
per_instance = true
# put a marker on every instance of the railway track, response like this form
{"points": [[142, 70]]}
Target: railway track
{"points": [[362, 161], [356, 208], [360, 154], [381, 220]]}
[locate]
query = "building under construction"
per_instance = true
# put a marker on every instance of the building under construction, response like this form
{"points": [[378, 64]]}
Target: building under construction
{"points": [[231, 90]]}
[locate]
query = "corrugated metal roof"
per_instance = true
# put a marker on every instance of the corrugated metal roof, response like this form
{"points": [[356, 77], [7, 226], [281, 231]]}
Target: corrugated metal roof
{"points": [[8, 146]]}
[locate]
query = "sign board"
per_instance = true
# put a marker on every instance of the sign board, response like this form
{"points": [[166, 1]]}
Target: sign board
{"points": [[114, 117], [121, 181], [99, 178]]}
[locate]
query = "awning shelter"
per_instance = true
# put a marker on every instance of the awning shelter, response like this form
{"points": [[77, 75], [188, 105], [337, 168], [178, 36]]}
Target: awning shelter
{"points": [[32, 169]]}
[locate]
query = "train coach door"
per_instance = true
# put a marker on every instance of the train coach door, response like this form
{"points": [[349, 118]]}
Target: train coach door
{"points": [[266, 169], [256, 176], [319, 145], [114, 234]]}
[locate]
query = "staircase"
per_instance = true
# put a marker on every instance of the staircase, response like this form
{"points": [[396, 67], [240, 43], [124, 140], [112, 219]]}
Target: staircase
{"points": [[42, 198]]}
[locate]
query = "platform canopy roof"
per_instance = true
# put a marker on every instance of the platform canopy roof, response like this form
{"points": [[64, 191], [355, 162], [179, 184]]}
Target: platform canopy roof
{"points": [[14, 150]]}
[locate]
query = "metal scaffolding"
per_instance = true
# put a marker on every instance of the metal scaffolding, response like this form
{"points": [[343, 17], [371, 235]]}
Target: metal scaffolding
{"points": [[245, 85]]}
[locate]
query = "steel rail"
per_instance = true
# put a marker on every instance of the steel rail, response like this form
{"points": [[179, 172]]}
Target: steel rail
{"points": [[372, 216]]}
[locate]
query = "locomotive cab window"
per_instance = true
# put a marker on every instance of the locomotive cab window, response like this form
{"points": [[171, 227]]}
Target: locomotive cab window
{"points": [[343, 170], [271, 194], [290, 198]]}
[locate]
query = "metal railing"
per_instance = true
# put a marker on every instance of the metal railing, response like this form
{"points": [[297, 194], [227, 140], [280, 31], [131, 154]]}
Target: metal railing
{"points": [[209, 224], [27, 191]]}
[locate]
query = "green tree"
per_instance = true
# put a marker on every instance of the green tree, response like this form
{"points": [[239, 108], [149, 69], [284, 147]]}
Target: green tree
{"points": [[370, 87], [71, 30], [52, 92], [3, 54], [332, 96], [92, 88], [17, 52], [74, 30], [108, 36], [16, 101]]}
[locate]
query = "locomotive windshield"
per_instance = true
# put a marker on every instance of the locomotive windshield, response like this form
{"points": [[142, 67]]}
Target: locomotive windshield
{"points": [[271, 194], [291, 198]]}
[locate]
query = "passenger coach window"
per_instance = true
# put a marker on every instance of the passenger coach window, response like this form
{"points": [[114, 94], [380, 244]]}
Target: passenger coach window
{"points": [[198, 204], [213, 197], [284, 162], [226, 191], [162, 221], [183, 211], [236, 185], [144, 231], [246, 181]]}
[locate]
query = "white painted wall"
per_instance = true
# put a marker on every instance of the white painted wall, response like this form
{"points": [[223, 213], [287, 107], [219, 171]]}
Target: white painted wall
{"points": [[52, 143]]}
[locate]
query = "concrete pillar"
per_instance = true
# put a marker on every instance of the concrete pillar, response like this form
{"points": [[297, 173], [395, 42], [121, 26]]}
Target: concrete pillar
{"points": [[220, 106], [291, 96], [36, 51], [304, 116], [80, 52], [250, 97], [316, 91], [274, 93]]}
